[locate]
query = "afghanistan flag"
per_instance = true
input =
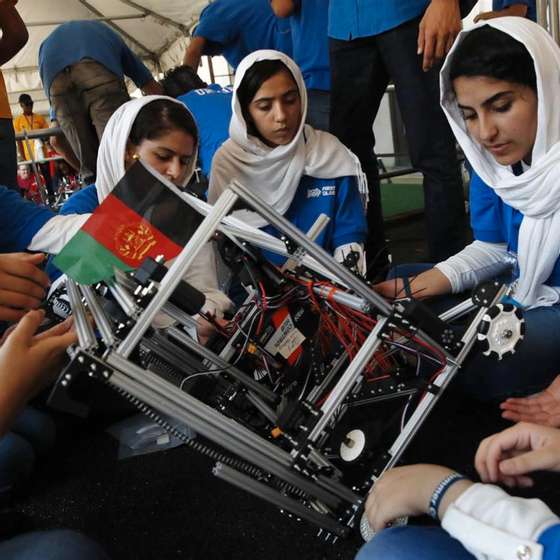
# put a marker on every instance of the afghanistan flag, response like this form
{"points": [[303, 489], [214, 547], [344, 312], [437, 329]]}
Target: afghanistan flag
{"points": [[142, 217]]}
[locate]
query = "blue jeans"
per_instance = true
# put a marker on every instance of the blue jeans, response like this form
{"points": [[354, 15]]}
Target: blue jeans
{"points": [[51, 545], [418, 543], [32, 434], [532, 368]]}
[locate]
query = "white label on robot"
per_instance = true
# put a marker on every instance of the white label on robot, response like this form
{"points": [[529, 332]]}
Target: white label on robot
{"points": [[286, 339]]}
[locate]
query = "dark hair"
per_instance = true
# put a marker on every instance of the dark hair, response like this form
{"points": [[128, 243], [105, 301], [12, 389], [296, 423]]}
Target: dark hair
{"points": [[489, 52], [254, 78], [180, 80], [161, 116], [25, 98]]}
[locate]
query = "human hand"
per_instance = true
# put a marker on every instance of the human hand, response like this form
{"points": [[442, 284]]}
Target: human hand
{"points": [[508, 456], [205, 329], [542, 408], [22, 284], [406, 491], [430, 283], [438, 28], [29, 362], [484, 16]]}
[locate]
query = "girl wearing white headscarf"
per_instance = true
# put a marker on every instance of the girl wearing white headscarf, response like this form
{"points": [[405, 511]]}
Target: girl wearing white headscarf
{"points": [[499, 91], [161, 132], [298, 171]]}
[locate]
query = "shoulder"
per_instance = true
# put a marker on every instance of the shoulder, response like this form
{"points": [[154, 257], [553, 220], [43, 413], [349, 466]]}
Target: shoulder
{"points": [[81, 202]]}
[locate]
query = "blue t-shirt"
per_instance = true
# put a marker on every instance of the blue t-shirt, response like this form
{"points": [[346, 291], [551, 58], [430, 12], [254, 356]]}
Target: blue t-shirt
{"points": [[20, 220], [550, 540], [309, 24], [236, 28], [72, 41], [211, 108], [531, 6], [351, 19], [339, 199], [492, 220]]}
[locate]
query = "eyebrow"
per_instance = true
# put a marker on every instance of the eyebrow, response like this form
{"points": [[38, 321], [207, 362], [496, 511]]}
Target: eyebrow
{"points": [[489, 101], [293, 90]]}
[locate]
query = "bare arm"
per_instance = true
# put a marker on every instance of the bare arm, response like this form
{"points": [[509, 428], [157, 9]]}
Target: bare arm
{"points": [[152, 88], [282, 8], [14, 32], [62, 147], [194, 52]]}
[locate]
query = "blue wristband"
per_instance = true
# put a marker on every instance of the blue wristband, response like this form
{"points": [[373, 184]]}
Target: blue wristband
{"points": [[440, 490]]}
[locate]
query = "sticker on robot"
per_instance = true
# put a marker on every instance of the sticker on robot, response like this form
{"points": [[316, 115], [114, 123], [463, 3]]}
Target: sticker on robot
{"points": [[286, 339]]}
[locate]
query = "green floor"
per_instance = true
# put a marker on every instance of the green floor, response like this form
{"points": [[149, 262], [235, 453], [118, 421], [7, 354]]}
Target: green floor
{"points": [[401, 198]]}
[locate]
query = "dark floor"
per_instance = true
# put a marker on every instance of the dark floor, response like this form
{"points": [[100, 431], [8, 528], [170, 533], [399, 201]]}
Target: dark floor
{"points": [[168, 505]]}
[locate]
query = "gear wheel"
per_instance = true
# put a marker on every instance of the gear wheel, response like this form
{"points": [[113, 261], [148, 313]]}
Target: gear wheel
{"points": [[501, 330]]}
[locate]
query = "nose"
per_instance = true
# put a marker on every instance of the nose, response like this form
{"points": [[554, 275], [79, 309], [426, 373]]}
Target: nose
{"points": [[279, 112], [487, 129], [175, 169]]}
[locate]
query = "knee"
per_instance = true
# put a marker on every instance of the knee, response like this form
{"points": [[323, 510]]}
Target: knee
{"points": [[64, 544], [17, 459], [37, 428], [387, 544]]}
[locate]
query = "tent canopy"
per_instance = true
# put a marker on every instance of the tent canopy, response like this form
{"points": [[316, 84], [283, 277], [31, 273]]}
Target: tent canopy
{"points": [[155, 30]]}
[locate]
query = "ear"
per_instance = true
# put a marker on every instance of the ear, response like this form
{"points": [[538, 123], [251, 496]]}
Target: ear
{"points": [[129, 154]]}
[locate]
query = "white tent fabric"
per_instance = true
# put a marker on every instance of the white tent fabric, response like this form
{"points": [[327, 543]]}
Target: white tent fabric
{"points": [[156, 30]]}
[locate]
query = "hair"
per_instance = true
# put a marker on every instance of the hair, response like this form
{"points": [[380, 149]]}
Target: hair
{"points": [[160, 117], [25, 98], [254, 78], [489, 52], [181, 80]]}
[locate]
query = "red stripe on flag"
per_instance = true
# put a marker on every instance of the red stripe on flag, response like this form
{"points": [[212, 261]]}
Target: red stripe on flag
{"points": [[127, 235]]}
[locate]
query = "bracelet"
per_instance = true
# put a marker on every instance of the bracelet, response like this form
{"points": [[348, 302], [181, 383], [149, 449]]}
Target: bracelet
{"points": [[440, 490]]}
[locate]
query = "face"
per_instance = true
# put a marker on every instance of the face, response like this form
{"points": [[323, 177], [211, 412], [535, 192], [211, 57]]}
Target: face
{"points": [[27, 108], [23, 172], [169, 154], [501, 116], [276, 109]]}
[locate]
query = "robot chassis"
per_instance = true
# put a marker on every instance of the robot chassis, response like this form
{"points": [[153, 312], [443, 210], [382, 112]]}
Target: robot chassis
{"points": [[281, 423]]}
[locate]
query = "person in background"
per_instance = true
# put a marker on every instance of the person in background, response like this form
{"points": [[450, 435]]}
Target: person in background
{"points": [[235, 28], [501, 8], [309, 21], [14, 37], [377, 41], [27, 183], [210, 106], [85, 83], [28, 121], [478, 521]]}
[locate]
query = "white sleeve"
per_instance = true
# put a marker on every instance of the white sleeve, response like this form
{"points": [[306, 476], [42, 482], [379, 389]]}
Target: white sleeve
{"points": [[492, 525], [52, 237], [341, 252], [477, 262]]}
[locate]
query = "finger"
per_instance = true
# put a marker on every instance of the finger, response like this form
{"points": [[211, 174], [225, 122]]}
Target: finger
{"points": [[421, 39], [440, 44], [56, 345], [11, 315], [540, 459], [57, 330], [515, 438], [477, 18], [26, 266], [20, 284], [28, 325], [480, 460], [429, 48], [18, 301], [449, 44]]}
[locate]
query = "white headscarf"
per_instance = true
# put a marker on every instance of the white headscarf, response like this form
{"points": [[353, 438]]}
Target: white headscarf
{"points": [[112, 148], [274, 174], [535, 193]]}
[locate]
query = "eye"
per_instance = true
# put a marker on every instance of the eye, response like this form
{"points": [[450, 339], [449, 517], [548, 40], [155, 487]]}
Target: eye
{"points": [[469, 116], [264, 107], [503, 107]]}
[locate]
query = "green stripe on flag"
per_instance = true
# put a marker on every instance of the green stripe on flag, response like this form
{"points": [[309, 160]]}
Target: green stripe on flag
{"points": [[86, 261]]}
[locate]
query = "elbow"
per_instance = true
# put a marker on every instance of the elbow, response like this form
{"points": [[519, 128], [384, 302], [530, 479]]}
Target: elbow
{"points": [[281, 11], [21, 38]]}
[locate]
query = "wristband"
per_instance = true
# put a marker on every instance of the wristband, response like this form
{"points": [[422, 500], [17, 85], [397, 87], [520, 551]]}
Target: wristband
{"points": [[440, 490]]}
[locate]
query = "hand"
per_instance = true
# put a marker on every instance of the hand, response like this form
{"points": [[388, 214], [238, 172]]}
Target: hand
{"points": [[542, 408], [205, 329], [427, 284], [483, 16], [439, 27], [404, 491], [508, 456], [29, 362], [22, 284]]}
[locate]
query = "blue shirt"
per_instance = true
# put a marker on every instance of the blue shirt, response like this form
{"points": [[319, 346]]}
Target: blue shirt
{"points": [[20, 220], [531, 6], [211, 108], [339, 199], [236, 28], [550, 540], [493, 221], [351, 19], [72, 41], [310, 40]]}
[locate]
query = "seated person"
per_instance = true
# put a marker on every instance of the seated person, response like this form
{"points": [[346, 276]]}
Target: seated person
{"points": [[161, 132], [27, 183], [298, 171], [29, 362], [478, 520], [210, 106], [498, 95]]}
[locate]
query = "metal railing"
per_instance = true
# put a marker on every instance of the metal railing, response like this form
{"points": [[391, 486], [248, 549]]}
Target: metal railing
{"points": [[548, 15]]}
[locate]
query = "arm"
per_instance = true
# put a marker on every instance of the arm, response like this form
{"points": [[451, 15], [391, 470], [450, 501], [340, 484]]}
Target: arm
{"points": [[194, 52], [28, 362], [282, 8], [14, 32], [438, 28], [519, 10], [152, 88], [62, 147]]}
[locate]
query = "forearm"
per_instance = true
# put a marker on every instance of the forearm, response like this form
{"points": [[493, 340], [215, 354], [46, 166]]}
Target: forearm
{"points": [[282, 8], [14, 32], [194, 52], [62, 147], [152, 88], [477, 262]]}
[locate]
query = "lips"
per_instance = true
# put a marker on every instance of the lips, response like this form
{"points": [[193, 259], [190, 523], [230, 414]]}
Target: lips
{"points": [[499, 149]]}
